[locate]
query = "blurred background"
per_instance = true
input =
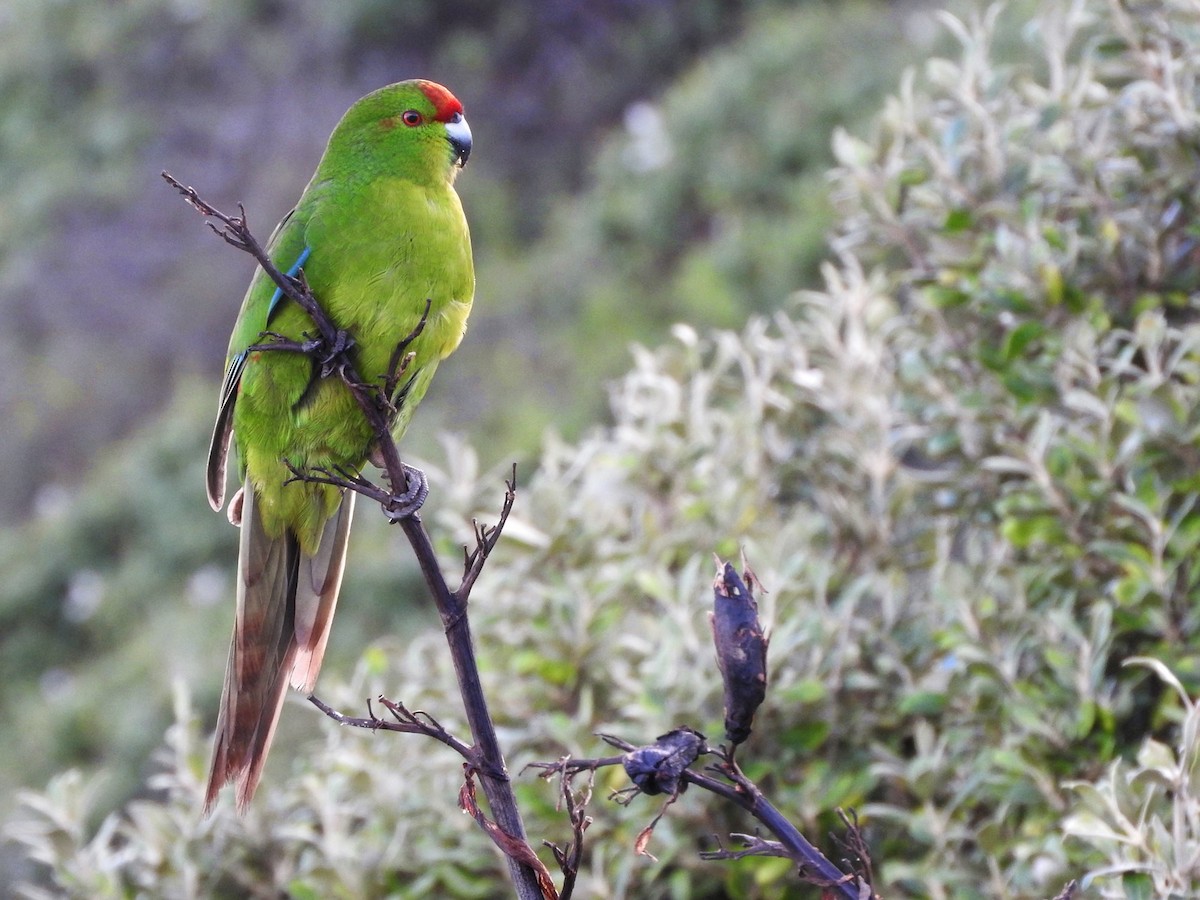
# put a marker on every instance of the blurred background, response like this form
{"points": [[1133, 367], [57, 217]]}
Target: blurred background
{"points": [[636, 163], [943, 393]]}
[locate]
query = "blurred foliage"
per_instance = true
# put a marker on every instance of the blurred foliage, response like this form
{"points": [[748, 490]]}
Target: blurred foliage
{"points": [[965, 471], [710, 202], [1142, 816]]}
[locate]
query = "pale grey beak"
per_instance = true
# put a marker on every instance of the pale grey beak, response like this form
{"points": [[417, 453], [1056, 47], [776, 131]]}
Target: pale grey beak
{"points": [[458, 132]]}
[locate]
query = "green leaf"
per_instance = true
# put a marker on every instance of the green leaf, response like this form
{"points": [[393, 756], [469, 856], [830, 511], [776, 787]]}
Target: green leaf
{"points": [[772, 869], [1137, 886], [804, 691], [554, 671], [958, 220], [807, 736], [1021, 337], [923, 703], [944, 297], [1027, 530], [913, 176]]}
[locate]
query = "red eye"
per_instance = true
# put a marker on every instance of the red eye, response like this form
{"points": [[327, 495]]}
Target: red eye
{"points": [[412, 118]]}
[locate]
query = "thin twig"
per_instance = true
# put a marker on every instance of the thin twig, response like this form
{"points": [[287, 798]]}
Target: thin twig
{"points": [[817, 868], [854, 845], [486, 538], [752, 845], [235, 231], [408, 722], [570, 858], [394, 507], [398, 364]]}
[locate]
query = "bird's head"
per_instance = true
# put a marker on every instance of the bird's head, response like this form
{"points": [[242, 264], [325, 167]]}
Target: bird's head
{"points": [[414, 129]]}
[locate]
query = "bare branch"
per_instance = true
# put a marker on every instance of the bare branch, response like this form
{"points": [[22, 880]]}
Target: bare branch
{"points": [[485, 540], [235, 230], [418, 722], [570, 857], [854, 846], [569, 765]]}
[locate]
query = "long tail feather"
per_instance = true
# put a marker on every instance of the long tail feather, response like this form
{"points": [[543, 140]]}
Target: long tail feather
{"points": [[285, 603], [318, 583]]}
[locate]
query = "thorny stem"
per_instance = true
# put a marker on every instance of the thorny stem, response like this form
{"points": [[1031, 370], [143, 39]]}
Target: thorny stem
{"points": [[451, 605]]}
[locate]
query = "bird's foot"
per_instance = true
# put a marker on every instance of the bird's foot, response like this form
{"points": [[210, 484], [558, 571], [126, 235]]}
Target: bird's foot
{"points": [[332, 356], [416, 489], [329, 355], [273, 340]]}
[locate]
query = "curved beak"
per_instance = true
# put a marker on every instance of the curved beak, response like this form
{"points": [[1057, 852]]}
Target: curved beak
{"points": [[458, 133]]}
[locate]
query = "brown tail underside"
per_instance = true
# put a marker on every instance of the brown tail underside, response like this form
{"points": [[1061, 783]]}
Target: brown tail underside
{"points": [[285, 604]]}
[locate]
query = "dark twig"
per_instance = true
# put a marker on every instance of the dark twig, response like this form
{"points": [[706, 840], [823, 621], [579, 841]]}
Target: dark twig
{"points": [[331, 359], [401, 506], [394, 507], [817, 869], [235, 231], [857, 855], [430, 726], [570, 766], [398, 364], [407, 721], [752, 845], [570, 857], [486, 538]]}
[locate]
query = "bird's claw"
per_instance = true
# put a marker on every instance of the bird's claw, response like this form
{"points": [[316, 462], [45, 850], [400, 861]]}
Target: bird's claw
{"points": [[331, 356], [401, 506]]}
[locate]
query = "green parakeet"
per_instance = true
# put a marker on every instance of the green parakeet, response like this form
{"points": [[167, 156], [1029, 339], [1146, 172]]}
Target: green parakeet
{"points": [[379, 233]]}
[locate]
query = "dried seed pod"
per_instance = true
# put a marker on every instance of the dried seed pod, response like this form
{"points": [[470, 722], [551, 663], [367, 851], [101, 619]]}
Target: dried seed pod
{"points": [[741, 650], [656, 768]]}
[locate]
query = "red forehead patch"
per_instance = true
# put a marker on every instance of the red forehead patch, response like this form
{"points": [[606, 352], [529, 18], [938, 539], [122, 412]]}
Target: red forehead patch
{"points": [[443, 101]]}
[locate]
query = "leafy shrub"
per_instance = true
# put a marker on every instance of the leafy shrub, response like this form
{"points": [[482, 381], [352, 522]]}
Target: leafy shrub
{"points": [[964, 469], [1142, 814], [710, 203]]}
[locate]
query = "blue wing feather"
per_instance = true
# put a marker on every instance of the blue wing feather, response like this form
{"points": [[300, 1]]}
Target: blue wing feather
{"points": [[273, 305]]}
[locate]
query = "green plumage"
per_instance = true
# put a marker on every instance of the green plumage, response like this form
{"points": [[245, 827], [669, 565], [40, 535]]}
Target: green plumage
{"points": [[381, 233]]}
